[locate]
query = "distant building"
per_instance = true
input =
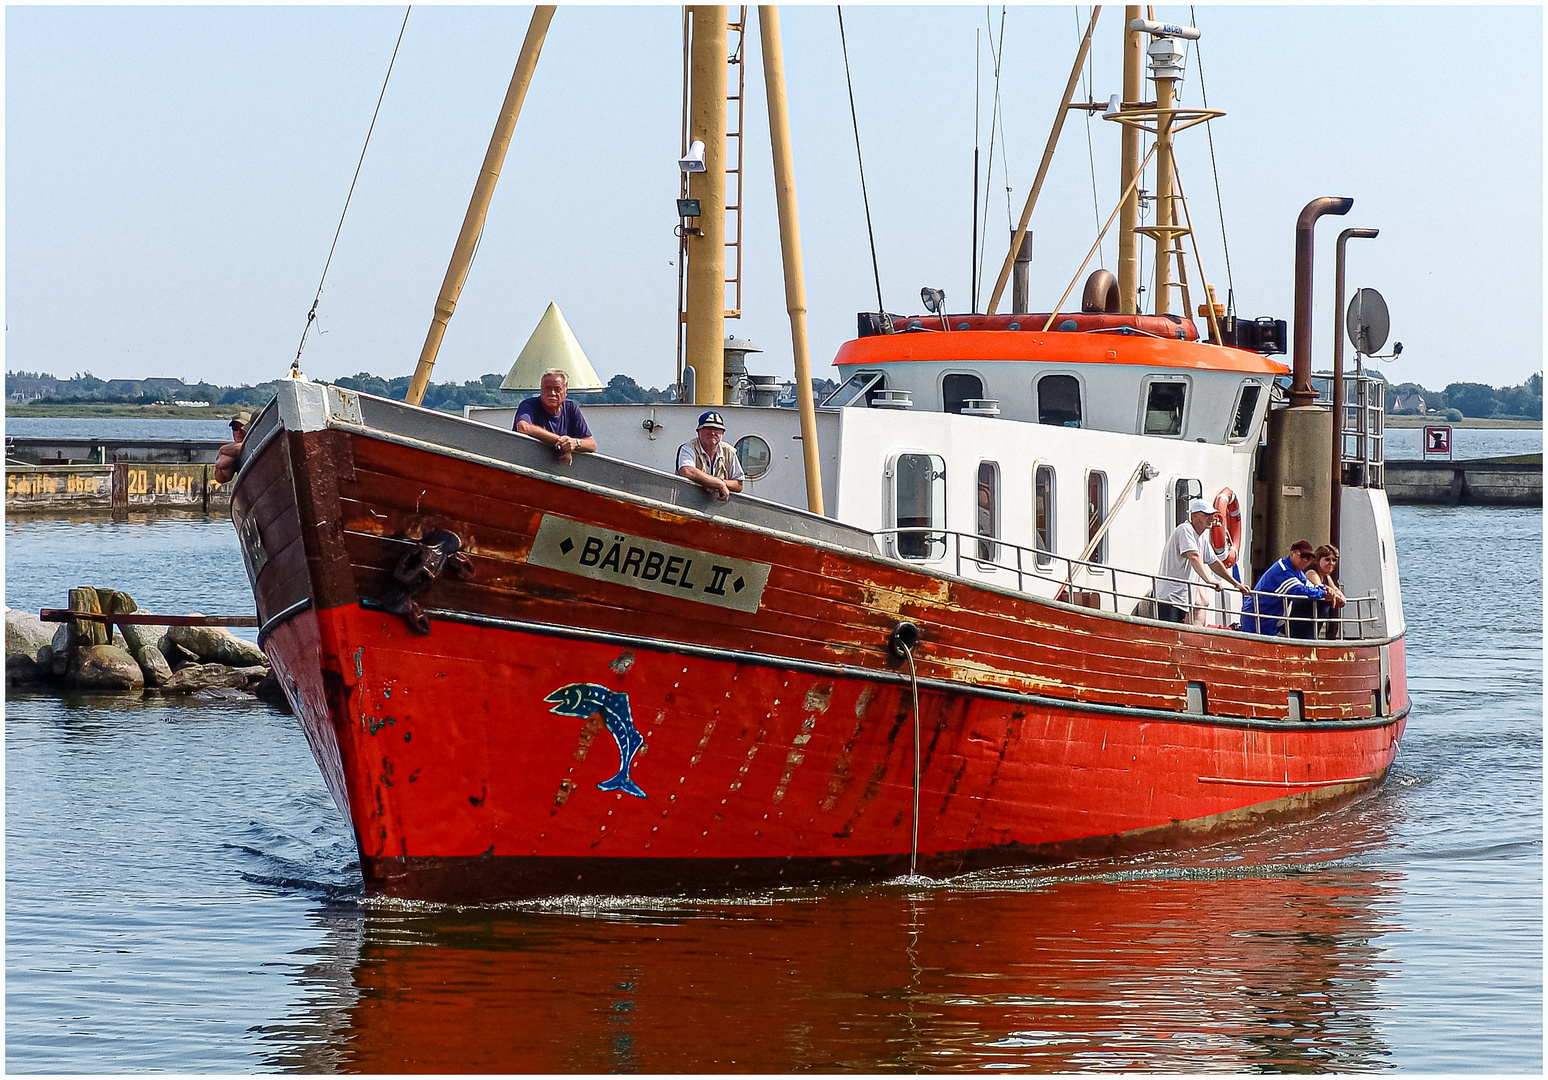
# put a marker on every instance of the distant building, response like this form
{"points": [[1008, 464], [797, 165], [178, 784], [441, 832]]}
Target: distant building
{"points": [[1408, 402]]}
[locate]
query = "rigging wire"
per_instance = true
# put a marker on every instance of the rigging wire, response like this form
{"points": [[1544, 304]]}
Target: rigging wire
{"points": [[1096, 208], [995, 55], [311, 316], [864, 198], [1209, 131]]}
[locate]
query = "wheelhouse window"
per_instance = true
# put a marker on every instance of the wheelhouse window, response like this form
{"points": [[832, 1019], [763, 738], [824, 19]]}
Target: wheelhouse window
{"points": [[988, 510], [1164, 405], [1096, 512], [1184, 492], [856, 390], [1246, 409], [1058, 400], [1043, 514], [956, 389], [919, 502]]}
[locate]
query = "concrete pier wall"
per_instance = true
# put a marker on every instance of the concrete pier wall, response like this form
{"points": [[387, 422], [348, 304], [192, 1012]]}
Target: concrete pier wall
{"points": [[62, 488], [1477, 482]]}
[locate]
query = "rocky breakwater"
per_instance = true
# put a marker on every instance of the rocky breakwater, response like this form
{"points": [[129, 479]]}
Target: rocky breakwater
{"points": [[85, 655]]}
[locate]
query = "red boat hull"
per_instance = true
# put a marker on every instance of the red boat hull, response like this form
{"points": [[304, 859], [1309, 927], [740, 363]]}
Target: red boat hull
{"points": [[463, 786], [557, 733]]}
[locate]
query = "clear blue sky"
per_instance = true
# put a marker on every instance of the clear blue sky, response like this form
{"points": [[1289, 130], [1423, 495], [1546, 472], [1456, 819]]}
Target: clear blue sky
{"points": [[174, 176]]}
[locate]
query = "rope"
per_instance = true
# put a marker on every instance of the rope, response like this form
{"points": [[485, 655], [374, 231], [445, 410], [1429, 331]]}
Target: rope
{"points": [[1096, 209], [881, 308], [1209, 131], [311, 316], [913, 681]]}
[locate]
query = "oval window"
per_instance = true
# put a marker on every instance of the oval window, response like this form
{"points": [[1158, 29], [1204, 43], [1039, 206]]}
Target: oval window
{"points": [[755, 456]]}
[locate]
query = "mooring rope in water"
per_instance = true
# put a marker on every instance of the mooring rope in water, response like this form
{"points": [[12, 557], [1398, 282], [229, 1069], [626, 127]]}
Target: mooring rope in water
{"points": [[311, 316]]}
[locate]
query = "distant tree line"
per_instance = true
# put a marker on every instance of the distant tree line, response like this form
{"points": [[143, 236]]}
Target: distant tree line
{"points": [[84, 388], [1469, 399]]}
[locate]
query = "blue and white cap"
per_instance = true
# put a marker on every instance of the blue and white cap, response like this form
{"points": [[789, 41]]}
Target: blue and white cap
{"points": [[711, 419]]}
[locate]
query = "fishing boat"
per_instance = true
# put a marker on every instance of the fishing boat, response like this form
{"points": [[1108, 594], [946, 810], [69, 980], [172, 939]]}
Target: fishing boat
{"points": [[922, 641]]}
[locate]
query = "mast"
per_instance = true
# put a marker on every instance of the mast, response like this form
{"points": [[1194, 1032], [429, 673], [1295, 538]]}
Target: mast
{"points": [[478, 207], [1128, 218], [790, 245], [706, 314]]}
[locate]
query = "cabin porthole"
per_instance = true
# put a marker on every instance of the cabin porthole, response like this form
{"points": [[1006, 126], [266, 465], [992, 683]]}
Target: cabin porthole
{"points": [[754, 454]]}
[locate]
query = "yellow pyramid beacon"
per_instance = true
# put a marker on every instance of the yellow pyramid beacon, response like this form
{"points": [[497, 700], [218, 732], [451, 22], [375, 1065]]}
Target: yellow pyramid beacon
{"points": [[552, 345]]}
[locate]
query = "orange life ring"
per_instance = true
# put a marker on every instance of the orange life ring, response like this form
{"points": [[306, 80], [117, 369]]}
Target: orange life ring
{"points": [[1225, 535]]}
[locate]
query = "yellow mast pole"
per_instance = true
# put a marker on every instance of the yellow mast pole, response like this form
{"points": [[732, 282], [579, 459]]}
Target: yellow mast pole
{"points": [[790, 245], [483, 192], [1042, 168], [706, 315], [1128, 218]]}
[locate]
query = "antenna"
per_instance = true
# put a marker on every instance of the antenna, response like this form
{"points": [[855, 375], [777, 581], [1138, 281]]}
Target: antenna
{"points": [[973, 254]]}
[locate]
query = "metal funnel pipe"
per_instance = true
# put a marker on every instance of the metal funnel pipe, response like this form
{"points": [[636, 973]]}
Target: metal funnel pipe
{"points": [[1301, 392]]}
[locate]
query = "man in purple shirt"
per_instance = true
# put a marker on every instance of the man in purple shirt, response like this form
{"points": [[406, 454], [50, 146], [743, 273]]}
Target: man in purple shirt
{"points": [[553, 419]]}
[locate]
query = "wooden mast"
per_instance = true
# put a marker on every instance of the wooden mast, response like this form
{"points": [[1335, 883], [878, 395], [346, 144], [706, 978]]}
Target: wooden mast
{"points": [[483, 192], [790, 245]]}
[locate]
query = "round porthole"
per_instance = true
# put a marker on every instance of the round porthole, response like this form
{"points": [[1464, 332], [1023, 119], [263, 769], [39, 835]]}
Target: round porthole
{"points": [[755, 456]]}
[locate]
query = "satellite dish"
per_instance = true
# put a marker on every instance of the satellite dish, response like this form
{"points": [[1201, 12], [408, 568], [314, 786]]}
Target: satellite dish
{"points": [[1368, 321]]}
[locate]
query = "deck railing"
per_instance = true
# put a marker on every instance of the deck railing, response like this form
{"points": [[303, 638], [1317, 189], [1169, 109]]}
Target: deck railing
{"points": [[1093, 585]]}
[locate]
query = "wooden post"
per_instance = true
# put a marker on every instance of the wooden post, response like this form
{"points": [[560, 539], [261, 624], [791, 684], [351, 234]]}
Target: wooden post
{"points": [[483, 192], [790, 246]]}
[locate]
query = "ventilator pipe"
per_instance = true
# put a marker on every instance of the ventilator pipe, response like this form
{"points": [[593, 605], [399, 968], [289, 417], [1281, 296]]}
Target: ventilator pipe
{"points": [[1301, 391]]}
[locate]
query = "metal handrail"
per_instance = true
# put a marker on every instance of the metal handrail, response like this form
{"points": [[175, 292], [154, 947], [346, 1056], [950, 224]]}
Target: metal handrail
{"points": [[986, 553]]}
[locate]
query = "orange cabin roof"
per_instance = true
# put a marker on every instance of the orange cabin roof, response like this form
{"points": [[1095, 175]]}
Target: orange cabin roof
{"points": [[1031, 346]]}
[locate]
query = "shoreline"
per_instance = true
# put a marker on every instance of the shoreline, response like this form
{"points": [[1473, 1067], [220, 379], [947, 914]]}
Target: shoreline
{"points": [[1405, 421]]}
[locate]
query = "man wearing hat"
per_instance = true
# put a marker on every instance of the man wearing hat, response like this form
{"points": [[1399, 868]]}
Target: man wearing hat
{"points": [[229, 455], [1184, 551], [708, 461]]}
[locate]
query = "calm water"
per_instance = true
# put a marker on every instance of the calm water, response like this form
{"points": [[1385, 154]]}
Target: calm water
{"points": [[181, 896], [107, 427]]}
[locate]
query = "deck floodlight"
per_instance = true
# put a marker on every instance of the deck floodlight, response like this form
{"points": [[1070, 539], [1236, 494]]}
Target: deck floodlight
{"points": [[687, 208], [693, 160], [934, 299]]}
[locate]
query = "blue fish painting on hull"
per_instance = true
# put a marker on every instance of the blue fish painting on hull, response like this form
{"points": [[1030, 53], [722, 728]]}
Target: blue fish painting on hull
{"points": [[581, 700]]}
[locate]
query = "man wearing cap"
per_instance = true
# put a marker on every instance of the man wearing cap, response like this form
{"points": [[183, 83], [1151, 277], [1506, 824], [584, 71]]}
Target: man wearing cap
{"points": [[1182, 553], [708, 461], [1263, 612], [229, 456], [552, 418]]}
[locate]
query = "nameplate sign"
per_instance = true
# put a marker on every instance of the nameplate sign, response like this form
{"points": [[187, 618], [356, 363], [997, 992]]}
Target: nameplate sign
{"points": [[605, 555]]}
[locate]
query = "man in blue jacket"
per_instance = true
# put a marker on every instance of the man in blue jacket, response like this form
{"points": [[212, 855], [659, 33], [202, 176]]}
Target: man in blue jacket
{"points": [[1264, 611]]}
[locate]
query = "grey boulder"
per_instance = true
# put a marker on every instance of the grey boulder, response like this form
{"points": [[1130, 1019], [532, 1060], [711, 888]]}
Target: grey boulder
{"points": [[25, 634], [104, 667], [216, 644]]}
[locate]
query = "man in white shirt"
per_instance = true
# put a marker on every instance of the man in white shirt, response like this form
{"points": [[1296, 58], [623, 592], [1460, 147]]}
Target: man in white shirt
{"points": [[709, 462], [1183, 552]]}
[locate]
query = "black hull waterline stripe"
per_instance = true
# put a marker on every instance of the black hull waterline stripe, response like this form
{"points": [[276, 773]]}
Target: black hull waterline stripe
{"points": [[942, 686]]}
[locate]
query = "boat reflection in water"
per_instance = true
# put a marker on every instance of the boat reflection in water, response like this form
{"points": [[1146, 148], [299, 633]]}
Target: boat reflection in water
{"points": [[1246, 963]]}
